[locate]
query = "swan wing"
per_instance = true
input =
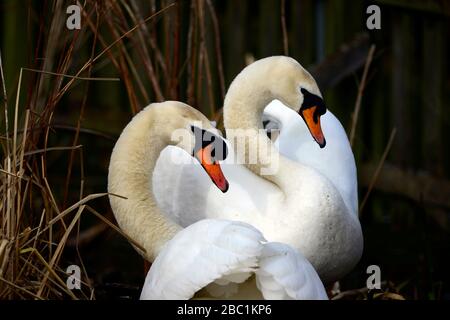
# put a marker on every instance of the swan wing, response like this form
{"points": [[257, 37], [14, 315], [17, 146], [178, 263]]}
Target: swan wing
{"points": [[185, 193], [203, 253], [285, 274], [335, 161], [180, 186]]}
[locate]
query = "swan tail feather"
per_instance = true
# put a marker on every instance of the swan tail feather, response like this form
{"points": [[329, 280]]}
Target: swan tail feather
{"points": [[204, 252], [285, 274]]}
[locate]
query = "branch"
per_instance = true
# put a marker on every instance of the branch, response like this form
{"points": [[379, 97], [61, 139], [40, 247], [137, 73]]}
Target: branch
{"points": [[361, 88], [344, 62], [420, 187], [377, 171]]}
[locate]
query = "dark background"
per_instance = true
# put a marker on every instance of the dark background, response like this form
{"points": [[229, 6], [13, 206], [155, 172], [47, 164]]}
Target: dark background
{"points": [[191, 52]]}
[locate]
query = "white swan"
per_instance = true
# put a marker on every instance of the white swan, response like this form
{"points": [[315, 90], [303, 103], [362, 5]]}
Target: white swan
{"points": [[217, 254], [298, 204]]}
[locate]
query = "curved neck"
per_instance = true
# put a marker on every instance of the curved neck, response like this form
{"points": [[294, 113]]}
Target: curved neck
{"points": [[243, 108], [130, 174]]}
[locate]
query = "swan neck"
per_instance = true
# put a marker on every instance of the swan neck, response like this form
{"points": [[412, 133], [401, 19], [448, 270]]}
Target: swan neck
{"points": [[243, 109], [131, 168]]}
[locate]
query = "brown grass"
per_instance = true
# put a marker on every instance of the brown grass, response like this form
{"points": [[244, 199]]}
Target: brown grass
{"points": [[40, 214]]}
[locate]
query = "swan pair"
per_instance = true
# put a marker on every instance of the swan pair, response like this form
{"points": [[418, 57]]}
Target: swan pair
{"points": [[203, 237]]}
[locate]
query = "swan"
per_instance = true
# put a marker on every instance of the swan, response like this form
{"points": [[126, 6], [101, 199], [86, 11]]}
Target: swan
{"points": [[299, 204], [216, 255]]}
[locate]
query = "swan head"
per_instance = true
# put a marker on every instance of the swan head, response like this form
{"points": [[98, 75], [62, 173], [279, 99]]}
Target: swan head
{"points": [[209, 149], [188, 129], [284, 79], [311, 110]]}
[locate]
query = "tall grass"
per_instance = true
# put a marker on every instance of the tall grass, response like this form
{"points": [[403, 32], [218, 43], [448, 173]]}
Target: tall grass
{"points": [[156, 51]]}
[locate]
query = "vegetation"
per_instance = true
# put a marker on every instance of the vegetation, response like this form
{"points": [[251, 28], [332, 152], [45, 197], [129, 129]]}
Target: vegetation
{"points": [[67, 94]]}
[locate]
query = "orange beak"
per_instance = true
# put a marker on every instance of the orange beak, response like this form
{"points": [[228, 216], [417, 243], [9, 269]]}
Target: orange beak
{"points": [[312, 120], [212, 168]]}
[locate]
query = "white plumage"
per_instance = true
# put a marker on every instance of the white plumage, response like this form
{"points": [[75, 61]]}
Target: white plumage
{"points": [[284, 274], [190, 230], [203, 253], [336, 161], [310, 202], [219, 255]]}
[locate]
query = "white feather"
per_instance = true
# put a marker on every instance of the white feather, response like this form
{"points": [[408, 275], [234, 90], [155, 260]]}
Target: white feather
{"points": [[204, 252], [285, 274], [321, 220]]}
